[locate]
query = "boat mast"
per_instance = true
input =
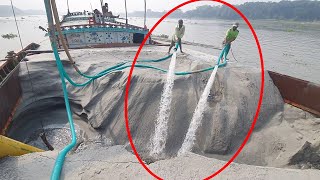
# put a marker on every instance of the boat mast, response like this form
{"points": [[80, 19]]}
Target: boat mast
{"points": [[101, 2], [68, 6], [125, 5], [145, 12]]}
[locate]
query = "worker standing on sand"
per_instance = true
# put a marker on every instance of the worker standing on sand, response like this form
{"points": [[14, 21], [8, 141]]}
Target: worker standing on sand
{"points": [[177, 36], [231, 35]]}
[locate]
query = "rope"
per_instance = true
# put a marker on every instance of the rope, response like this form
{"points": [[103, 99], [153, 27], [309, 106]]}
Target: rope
{"points": [[233, 55], [26, 63], [58, 28], [31, 83], [15, 19]]}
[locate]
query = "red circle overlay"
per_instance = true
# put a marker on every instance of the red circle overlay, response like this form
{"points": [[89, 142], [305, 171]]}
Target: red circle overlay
{"points": [[260, 96]]}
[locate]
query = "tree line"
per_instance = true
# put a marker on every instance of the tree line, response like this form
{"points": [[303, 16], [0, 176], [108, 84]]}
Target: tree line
{"points": [[300, 10]]}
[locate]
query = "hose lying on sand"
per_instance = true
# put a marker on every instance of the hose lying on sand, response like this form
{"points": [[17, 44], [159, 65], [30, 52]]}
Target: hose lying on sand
{"points": [[62, 154]]}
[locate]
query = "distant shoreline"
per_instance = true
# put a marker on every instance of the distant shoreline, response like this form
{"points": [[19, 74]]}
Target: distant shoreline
{"points": [[6, 11], [305, 11], [220, 19]]}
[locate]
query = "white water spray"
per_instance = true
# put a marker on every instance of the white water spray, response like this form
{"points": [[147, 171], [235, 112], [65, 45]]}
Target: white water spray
{"points": [[161, 127], [197, 116]]}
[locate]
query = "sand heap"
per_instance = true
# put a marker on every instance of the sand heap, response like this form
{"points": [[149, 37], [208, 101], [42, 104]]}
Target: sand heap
{"points": [[279, 139], [100, 162]]}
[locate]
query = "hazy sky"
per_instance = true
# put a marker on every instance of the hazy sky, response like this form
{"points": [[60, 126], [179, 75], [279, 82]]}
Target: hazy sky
{"points": [[115, 5]]}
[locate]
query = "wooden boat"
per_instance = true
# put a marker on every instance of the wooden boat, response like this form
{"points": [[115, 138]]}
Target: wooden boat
{"points": [[86, 29]]}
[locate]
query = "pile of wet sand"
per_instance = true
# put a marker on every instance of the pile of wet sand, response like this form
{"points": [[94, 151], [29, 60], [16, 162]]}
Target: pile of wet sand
{"points": [[278, 140]]}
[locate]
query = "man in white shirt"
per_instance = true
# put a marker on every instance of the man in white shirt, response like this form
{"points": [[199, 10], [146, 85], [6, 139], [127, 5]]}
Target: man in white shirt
{"points": [[177, 36]]}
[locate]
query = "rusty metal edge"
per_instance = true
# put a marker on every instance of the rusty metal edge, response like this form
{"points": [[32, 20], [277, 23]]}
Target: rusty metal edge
{"points": [[9, 120], [20, 55], [9, 75], [316, 113], [297, 97], [12, 77]]}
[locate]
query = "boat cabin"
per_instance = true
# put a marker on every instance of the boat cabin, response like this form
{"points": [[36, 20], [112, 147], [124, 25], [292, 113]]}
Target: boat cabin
{"points": [[95, 29]]}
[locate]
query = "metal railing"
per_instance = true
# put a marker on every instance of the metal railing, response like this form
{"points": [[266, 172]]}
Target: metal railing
{"points": [[118, 25], [12, 60], [10, 88]]}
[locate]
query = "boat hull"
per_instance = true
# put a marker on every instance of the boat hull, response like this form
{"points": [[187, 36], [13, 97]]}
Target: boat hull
{"points": [[105, 35], [299, 93], [10, 88]]}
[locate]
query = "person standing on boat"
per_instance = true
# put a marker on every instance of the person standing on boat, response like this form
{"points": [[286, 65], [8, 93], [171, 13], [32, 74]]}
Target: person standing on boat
{"points": [[96, 11], [105, 9], [106, 13], [98, 16], [177, 36], [231, 35]]}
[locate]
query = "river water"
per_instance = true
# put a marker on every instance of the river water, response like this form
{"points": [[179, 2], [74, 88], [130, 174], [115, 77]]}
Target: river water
{"points": [[290, 48]]}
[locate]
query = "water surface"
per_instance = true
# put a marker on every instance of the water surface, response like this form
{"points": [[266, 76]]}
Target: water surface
{"points": [[290, 48]]}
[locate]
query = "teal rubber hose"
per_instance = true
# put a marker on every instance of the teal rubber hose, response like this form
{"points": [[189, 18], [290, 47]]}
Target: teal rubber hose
{"points": [[122, 66], [137, 66], [113, 67], [157, 60], [61, 156], [102, 72]]}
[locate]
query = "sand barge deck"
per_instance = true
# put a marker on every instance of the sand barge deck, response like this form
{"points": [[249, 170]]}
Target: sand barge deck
{"points": [[98, 113]]}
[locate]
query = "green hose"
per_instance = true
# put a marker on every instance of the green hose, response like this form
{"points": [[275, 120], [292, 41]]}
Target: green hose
{"points": [[119, 68], [62, 154], [113, 67], [157, 60], [122, 66], [102, 72]]}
